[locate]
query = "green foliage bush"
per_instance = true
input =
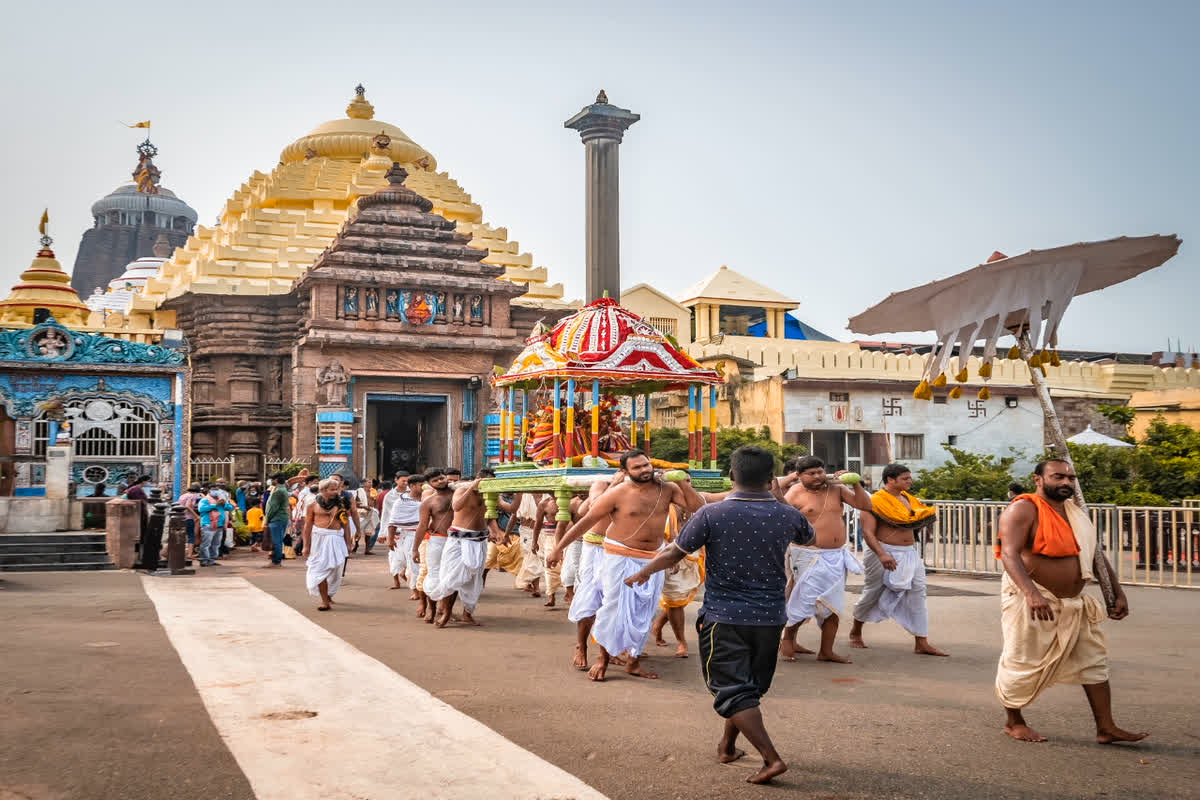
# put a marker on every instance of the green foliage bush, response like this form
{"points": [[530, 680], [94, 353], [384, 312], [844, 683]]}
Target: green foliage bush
{"points": [[671, 444]]}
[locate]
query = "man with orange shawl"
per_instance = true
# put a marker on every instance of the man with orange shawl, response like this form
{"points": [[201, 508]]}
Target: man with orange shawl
{"points": [[1051, 627], [894, 572]]}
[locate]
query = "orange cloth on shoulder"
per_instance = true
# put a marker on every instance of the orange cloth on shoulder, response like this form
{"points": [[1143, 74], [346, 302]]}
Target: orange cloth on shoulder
{"points": [[1054, 537]]}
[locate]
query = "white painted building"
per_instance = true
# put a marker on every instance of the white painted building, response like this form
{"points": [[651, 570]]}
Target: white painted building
{"points": [[862, 425]]}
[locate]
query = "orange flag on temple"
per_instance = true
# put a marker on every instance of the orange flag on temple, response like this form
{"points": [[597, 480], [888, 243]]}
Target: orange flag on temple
{"points": [[143, 124], [44, 222]]}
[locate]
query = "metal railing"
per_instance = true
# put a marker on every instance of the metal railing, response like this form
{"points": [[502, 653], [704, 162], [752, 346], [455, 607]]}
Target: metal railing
{"points": [[1147, 545], [206, 470]]}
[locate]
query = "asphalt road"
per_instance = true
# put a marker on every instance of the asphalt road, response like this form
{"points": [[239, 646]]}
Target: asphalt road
{"points": [[82, 720]]}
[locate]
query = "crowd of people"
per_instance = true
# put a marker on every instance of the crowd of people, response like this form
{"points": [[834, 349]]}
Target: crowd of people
{"points": [[769, 556]]}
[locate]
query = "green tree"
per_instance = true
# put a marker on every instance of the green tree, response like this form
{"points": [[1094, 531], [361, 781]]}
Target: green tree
{"points": [[1117, 415], [670, 444], [967, 476]]}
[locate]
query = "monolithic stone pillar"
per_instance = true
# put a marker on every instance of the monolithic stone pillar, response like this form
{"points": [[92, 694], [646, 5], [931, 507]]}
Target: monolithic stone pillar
{"points": [[601, 126]]}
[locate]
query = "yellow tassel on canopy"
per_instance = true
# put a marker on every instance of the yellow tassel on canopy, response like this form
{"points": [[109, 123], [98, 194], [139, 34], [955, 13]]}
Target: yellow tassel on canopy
{"points": [[956, 393], [1054, 361], [1035, 360], [1042, 367], [985, 369], [961, 377], [923, 392], [1014, 352], [985, 393], [940, 380]]}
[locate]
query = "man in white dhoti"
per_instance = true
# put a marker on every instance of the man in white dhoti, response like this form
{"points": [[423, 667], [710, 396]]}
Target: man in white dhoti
{"points": [[549, 528], [817, 584], [533, 558], [894, 585], [433, 527], [326, 543], [1051, 627], [638, 509], [589, 589], [404, 514], [464, 557]]}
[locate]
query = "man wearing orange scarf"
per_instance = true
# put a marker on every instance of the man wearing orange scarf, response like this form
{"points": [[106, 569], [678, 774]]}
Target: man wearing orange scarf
{"points": [[894, 571], [1051, 628]]}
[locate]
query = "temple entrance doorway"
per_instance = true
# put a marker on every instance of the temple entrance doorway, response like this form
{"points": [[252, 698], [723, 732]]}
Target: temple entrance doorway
{"points": [[405, 432]]}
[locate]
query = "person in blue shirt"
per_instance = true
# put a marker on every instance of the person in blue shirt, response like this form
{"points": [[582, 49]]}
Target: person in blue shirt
{"points": [[746, 537], [213, 509]]}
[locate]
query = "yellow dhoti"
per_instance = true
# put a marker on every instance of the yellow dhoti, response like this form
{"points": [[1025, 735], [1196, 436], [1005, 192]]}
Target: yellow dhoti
{"points": [[506, 556], [1071, 648], [682, 581]]}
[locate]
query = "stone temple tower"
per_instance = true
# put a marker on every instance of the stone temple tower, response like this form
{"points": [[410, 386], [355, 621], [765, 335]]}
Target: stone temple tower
{"points": [[127, 223]]}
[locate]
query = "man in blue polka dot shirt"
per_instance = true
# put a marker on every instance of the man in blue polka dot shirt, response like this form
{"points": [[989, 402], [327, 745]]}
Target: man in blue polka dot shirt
{"points": [[746, 537]]}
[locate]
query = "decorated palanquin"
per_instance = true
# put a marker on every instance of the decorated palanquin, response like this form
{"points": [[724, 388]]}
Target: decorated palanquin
{"points": [[580, 369]]}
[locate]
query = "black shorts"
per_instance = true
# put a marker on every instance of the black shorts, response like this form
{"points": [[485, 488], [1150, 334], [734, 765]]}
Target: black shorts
{"points": [[737, 662]]}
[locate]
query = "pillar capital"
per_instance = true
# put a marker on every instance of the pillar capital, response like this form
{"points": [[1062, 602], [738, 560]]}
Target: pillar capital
{"points": [[602, 120]]}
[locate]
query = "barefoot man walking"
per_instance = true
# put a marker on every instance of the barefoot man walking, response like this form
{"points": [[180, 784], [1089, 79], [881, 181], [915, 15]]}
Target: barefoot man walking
{"points": [[433, 526], [894, 585], [746, 537], [638, 508], [464, 557], [819, 571], [1051, 627]]}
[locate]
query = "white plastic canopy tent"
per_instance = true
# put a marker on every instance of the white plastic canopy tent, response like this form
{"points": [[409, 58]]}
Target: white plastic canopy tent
{"points": [[1024, 296]]}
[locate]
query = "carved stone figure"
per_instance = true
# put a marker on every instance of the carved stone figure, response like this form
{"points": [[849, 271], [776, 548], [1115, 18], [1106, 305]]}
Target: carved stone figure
{"points": [[439, 305], [332, 380], [274, 439], [372, 300], [458, 307], [476, 309], [351, 303], [393, 303], [51, 343]]}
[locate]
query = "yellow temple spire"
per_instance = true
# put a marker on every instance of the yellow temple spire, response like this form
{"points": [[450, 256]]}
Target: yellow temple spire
{"points": [[43, 285]]}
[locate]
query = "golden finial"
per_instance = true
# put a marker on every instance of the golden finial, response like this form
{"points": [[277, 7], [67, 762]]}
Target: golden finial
{"points": [[359, 108]]}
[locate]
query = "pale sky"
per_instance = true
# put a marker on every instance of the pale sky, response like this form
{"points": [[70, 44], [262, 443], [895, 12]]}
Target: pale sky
{"points": [[835, 151]]}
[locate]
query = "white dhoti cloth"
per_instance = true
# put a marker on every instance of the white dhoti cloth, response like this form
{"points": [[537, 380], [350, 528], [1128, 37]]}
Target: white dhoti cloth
{"points": [[551, 576], [1037, 653], [532, 564], [570, 564], [820, 576], [463, 561], [434, 547], [897, 594], [326, 561], [401, 554], [589, 589], [626, 612]]}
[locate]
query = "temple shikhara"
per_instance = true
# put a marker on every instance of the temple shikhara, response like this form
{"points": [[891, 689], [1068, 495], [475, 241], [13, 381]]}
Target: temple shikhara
{"points": [[352, 307]]}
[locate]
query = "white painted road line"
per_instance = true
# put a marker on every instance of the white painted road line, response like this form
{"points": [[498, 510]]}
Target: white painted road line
{"points": [[230, 634]]}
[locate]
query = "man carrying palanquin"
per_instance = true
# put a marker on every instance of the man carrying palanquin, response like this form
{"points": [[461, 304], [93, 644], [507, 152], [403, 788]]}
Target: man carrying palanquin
{"points": [[818, 570]]}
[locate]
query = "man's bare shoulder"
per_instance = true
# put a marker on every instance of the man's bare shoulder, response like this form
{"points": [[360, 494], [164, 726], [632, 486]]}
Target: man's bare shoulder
{"points": [[1022, 510]]}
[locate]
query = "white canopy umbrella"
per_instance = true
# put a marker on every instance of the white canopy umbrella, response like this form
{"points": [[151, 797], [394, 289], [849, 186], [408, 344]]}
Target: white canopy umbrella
{"points": [[1014, 295], [1090, 436]]}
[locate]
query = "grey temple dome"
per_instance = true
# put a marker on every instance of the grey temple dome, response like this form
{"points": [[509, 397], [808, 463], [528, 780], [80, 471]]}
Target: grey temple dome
{"points": [[127, 198]]}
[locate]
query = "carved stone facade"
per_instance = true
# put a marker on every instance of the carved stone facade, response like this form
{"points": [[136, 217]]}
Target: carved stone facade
{"points": [[378, 358]]}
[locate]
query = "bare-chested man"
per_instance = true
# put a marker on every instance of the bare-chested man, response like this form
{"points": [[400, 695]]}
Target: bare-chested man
{"points": [[403, 516], [432, 529], [818, 571], [589, 589], [638, 508], [1051, 627], [465, 555], [894, 585]]}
